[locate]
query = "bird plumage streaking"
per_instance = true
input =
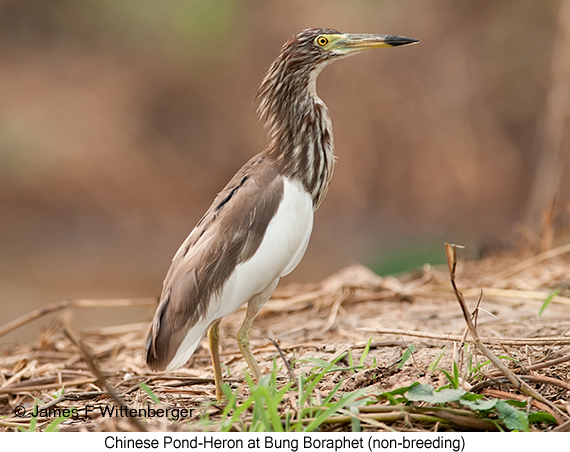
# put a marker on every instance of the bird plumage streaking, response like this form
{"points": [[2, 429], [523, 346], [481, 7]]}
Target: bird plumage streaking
{"points": [[259, 225]]}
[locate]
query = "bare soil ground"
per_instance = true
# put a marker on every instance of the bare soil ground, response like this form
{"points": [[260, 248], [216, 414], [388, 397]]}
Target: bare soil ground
{"points": [[320, 320]]}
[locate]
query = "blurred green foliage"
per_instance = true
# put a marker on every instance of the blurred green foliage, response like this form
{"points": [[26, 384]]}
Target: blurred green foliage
{"points": [[190, 26], [200, 24], [409, 256]]}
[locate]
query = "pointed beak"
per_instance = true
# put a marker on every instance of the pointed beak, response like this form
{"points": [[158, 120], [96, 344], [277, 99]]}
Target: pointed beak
{"points": [[350, 43]]}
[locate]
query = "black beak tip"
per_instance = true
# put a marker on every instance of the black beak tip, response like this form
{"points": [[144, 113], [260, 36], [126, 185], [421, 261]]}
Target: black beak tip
{"points": [[395, 41]]}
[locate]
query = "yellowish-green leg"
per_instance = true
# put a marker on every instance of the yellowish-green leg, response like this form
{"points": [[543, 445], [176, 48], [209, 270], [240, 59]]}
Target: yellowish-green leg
{"points": [[253, 308], [214, 341]]}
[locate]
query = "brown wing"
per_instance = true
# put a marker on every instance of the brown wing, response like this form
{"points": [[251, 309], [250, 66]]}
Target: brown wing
{"points": [[229, 233]]}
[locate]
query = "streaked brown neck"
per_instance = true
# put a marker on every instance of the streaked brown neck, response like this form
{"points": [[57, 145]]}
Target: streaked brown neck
{"points": [[299, 127]]}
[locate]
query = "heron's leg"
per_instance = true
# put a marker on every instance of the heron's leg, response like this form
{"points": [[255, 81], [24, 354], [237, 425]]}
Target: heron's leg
{"points": [[253, 307], [243, 340], [214, 341]]}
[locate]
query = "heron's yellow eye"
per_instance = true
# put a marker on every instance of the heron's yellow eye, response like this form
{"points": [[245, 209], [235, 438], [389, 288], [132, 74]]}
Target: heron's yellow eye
{"points": [[322, 40]]}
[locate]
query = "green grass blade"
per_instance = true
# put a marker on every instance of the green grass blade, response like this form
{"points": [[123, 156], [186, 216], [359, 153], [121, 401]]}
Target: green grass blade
{"points": [[34, 420], [449, 377], [434, 364], [342, 403], [260, 414], [272, 404], [333, 392], [54, 425], [309, 390], [317, 362], [365, 353], [548, 301], [354, 421], [455, 375], [338, 358], [149, 392]]}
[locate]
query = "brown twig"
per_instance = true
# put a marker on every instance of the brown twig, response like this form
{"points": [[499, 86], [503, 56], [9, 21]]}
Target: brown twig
{"points": [[451, 251], [554, 340], [341, 295], [508, 395], [378, 344], [416, 415], [530, 378], [65, 304], [74, 397], [75, 337], [552, 362], [284, 359], [565, 427], [533, 296], [27, 389]]}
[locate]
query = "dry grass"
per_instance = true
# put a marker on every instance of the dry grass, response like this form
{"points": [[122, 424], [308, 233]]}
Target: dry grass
{"points": [[106, 367]]}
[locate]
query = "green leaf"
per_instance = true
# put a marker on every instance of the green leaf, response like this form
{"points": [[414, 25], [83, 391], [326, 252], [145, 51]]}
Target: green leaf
{"points": [[398, 391], [472, 396], [548, 301], [426, 393], [541, 416], [517, 403], [391, 395], [406, 355], [513, 418], [480, 405]]}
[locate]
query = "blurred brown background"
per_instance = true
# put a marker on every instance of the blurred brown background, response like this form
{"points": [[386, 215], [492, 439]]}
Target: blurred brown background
{"points": [[121, 120]]}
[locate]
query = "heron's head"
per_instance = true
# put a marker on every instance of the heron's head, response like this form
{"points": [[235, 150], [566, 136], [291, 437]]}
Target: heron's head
{"points": [[309, 48], [302, 57]]}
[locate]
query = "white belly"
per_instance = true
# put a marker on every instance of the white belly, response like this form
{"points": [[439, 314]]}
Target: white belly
{"points": [[281, 249]]}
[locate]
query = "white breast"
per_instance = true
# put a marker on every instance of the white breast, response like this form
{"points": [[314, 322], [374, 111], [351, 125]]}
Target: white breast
{"points": [[281, 249]]}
